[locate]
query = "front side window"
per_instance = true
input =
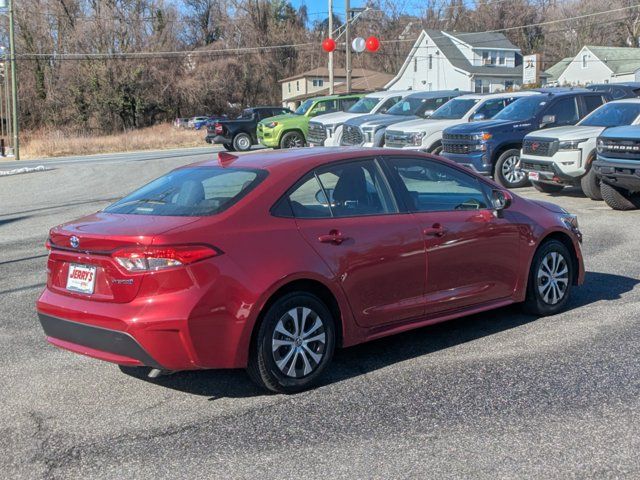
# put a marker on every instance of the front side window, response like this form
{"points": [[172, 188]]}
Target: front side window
{"points": [[343, 190], [489, 108], [304, 106], [190, 192], [433, 187], [327, 106], [390, 102]]}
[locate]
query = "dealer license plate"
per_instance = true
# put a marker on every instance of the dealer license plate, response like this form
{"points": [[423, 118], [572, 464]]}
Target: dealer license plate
{"points": [[534, 176], [81, 278]]}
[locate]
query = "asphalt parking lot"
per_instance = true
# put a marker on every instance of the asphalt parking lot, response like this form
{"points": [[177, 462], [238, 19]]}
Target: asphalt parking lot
{"points": [[496, 395]]}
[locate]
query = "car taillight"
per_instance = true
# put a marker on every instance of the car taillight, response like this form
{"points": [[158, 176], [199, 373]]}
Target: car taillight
{"points": [[147, 259], [218, 129]]}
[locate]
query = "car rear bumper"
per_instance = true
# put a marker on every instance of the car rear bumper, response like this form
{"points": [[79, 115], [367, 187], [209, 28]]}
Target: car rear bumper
{"points": [[169, 331], [97, 342]]}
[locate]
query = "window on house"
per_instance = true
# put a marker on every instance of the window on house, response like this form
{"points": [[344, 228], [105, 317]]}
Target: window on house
{"points": [[482, 86], [415, 64], [502, 59], [318, 82], [584, 60], [297, 85], [289, 87], [485, 57], [430, 62]]}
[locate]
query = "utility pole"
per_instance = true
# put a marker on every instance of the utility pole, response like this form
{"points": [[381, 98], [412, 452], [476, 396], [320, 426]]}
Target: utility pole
{"points": [[347, 39], [14, 83], [330, 53]]}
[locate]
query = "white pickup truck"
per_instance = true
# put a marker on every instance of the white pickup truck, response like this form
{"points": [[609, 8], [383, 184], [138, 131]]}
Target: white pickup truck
{"points": [[325, 130], [425, 134], [557, 157]]}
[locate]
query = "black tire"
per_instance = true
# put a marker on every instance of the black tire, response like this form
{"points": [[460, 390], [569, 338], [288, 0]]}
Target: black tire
{"points": [[547, 187], [590, 185], [228, 147], [541, 292], [506, 173], [619, 199], [436, 149], [292, 140], [242, 142], [263, 367]]}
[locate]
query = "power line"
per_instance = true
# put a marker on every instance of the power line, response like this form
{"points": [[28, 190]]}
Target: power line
{"points": [[245, 50]]}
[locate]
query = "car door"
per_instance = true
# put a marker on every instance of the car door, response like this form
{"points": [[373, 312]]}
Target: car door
{"points": [[346, 212], [564, 112], [472, 255]]}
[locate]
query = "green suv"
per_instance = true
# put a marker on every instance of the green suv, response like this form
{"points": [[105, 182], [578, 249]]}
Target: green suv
{"points": [[290, 130]]}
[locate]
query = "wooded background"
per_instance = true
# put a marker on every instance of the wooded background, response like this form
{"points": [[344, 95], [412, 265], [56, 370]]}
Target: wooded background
{"points": [[106, 66]]}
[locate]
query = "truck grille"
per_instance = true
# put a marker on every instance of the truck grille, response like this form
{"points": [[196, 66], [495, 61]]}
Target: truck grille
{"points": [[619, 148], [317, 133], [458, 143], [535, 166], [351, 135], [540, 147], [396, 139]]}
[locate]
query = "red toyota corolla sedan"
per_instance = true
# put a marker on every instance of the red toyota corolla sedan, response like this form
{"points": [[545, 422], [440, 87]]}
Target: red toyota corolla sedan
{"points": [[270, 261]]}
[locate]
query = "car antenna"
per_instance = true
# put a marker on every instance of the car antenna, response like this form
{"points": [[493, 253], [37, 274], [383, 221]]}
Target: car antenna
{"points": [[225, 159]]}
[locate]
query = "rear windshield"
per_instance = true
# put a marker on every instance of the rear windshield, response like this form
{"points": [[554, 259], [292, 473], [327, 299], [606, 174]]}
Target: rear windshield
{"points": [[190, 192]]}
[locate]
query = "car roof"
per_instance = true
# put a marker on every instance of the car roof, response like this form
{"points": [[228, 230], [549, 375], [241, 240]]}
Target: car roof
{"points": [[334, 97], [482, 96], [434, 93], [625, 100], [390, 93], [611, 85], [562, 90], [284, 160]]}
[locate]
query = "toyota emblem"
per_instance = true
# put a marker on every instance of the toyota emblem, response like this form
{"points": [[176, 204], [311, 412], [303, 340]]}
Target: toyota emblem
{"points": [[74, 241]]}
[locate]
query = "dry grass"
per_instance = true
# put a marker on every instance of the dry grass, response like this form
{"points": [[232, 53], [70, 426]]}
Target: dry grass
{"points": [[56, 143]]}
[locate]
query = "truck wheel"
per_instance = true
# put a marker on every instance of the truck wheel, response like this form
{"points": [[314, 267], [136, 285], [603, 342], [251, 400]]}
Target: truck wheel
{"points": [[590, 184], [436, 149], [228, 147], [619, 199], [292, 140], [242, 142], [293, 345], [507, 171], [547, 187]]}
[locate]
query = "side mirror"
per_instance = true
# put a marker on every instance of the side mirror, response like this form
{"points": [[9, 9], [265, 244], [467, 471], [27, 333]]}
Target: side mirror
{"points": [[501, 200], [478, 117], [428, 113], [547, 120]]}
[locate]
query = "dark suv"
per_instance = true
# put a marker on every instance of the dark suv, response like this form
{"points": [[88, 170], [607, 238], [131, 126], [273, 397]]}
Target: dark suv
{"points": [[492, 147], [617, 90], [618, 167], [240, 134]]}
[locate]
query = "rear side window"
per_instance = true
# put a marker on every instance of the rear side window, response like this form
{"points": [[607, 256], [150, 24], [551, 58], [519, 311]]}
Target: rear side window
{"points": [[190, 192], [565, 110], [344, 190], [591, 102], [326, 106]]}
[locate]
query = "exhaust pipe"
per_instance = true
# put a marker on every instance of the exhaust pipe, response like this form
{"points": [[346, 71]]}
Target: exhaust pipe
{"points": [[156, 372]]}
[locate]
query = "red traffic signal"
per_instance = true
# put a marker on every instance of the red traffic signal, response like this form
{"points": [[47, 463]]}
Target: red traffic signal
{"points": [[328, 45], [373, 44]]}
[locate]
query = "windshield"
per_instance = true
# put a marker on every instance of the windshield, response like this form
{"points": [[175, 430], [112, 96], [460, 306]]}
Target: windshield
{"points": [[612, 115], [190, 192], [522, 109], [364, 105], [415, 106], [304, 107], [454, 109]]}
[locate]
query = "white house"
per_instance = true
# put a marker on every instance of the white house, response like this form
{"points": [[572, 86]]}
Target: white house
{"points": [[476, 62], [595, 64]]}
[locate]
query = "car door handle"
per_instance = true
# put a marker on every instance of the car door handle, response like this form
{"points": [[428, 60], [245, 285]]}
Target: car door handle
{"points": [[334, 236], [435, 230]]}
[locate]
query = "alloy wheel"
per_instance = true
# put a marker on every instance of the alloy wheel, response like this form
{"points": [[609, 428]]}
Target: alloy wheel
{"points": [[243, 143], [553, 278], [298, 342], [511, 170], [293, 141]]}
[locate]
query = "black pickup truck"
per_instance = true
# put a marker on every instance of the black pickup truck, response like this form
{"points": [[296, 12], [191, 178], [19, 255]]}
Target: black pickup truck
{"points": [[240, 134]]}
